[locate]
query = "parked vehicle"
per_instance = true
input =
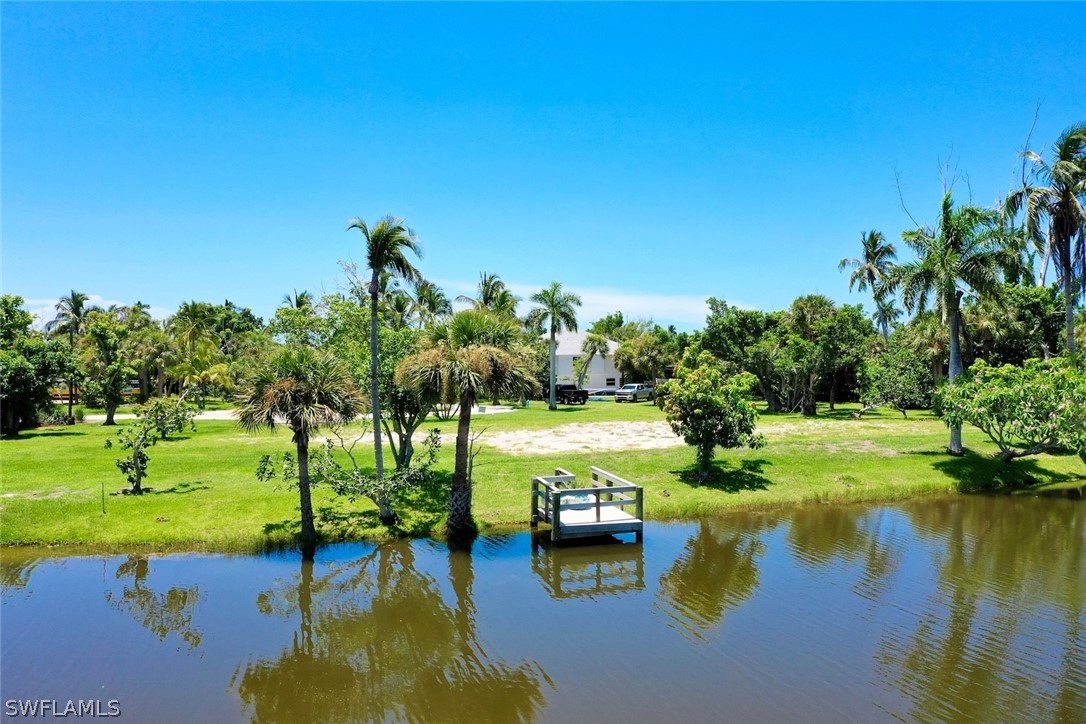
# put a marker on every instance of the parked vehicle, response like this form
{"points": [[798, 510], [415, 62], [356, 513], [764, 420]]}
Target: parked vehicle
{"points": [[602, 392], [635, 393], [568, 394]]}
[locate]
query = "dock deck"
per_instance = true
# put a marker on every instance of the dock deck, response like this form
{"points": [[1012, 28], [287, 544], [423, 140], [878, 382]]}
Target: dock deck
{"points": [[578, 512]]}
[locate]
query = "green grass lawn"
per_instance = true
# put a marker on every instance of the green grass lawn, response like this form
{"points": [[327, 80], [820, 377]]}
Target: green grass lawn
{"points": [[206, 495]]}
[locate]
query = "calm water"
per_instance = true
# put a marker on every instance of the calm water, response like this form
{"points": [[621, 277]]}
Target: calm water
{"points": [[973, 608]]}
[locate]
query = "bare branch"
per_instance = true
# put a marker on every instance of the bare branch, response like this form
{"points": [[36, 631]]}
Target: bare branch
{"points": [[901, 198]]}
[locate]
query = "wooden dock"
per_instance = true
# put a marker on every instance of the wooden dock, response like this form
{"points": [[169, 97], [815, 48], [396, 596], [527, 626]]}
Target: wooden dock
{"points": [[580, 512], [588, 571]]}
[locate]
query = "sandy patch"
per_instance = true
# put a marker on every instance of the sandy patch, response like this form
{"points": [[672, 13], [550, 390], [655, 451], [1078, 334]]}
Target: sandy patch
{"points": [[583, 437]]}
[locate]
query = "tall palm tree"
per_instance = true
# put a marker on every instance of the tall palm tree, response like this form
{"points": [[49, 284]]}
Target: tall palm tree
{"points": [[872, 270], [386, 244], [472, 354], [594, 345], [71, 318], [962, 253], [1057, 197], [557, 308], [305, 389]]}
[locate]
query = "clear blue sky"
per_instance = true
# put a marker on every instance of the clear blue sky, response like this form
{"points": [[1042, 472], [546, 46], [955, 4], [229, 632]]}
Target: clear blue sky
{"points": [[648, 156]]}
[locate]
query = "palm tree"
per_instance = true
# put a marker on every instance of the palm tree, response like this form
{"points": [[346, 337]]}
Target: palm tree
{"points": [[1058, 198], [472, 354], [299, 300], [431, 301], [961, 253], [872, 270], [72, 312], [593, 345], [494, 296], [303, 388], [386, 243], [885, 314], [557, 307]]}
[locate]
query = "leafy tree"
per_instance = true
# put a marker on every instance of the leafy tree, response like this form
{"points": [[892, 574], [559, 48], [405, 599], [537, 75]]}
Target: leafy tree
{"points": [[844, 339], [709, 410], [926, 335], [386, 245], [558, 311], [645, 357], [899, 378], [608, 325], [28, 365], [962, 253], [872, 271], [1056, 197], [168, 415], [108, 371], [473, 354], [305, 389], [71, 319], [135, 438], [1026, 410], [300, 326]]}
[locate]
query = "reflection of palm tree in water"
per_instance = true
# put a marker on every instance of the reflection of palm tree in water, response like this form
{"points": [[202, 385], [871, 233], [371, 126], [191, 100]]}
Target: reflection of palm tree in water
{"points": [[717, 571], [1011, 599], [378, 641], [159, 613]]}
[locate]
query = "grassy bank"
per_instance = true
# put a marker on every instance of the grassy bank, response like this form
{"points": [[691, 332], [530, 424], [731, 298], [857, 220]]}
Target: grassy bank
{"points": [[206, 495]]}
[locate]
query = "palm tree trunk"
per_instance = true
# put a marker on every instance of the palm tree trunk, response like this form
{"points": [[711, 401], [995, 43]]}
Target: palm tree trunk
{"points": [[460, 524], [374, 403], [554, 369], [1069, 308], [71, 380], [305, 498], [955, 447]]}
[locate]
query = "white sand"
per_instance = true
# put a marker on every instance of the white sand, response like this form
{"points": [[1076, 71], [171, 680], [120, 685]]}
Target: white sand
{"points": [[583, 437]]}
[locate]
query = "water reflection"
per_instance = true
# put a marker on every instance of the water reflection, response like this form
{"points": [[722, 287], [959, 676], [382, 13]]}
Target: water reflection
{"points": [[716, 572], [590, 569], [161, 613], [829, 537], [377, 640], [1004, 630]]}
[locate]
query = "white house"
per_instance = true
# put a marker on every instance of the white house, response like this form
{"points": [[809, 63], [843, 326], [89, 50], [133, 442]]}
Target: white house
{"points": [[601, 373]]}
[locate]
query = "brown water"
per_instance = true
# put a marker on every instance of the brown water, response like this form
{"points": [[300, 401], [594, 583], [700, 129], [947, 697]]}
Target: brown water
{"points": [[971, 608]]}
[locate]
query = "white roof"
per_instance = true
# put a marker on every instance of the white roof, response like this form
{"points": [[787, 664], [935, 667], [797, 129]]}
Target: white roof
{"points": [[570, 343]]}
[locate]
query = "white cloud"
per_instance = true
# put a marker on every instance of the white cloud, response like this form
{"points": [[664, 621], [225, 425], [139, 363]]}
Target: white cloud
{"points": [[686, 311], [45, 310]]}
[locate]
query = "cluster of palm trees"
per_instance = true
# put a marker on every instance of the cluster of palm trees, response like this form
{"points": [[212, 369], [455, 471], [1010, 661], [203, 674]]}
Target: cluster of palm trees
{"points": [[971, 250], [464, 356]]}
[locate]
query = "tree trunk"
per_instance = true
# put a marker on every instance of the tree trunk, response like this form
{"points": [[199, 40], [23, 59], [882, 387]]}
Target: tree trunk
{"points": [[955, 447], [807, 398], [137, 486], [1069, 309], [305, 499], [71, 400], [460, 524], [552, 405], [161, 382], [111, 409], [833, 391], [375, 405]]}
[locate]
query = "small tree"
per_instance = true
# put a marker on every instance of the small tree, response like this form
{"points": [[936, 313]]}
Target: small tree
{"points": [[168, 415], [135, 439], [709, 410], [899, 378], [1026, 410]]}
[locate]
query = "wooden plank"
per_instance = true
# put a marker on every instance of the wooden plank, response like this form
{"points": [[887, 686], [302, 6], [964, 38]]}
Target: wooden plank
{"points": [[608, 476]]}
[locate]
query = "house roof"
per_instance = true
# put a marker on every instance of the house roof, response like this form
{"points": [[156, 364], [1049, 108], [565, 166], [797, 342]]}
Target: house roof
{"points": [[569, 344]]}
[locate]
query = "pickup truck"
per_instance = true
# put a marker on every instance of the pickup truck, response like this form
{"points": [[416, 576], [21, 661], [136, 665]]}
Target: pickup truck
{"points": [[568, 395], [635, 393]]}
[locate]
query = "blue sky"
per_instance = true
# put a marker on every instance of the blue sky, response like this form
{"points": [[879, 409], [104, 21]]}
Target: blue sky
{"points": [[646, 155]]}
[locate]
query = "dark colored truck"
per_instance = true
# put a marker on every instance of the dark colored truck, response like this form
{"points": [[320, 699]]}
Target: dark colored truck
{"points": [[568, 395]]}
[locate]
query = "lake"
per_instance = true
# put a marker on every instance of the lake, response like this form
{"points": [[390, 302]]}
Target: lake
{"points": [[972, 607]]}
